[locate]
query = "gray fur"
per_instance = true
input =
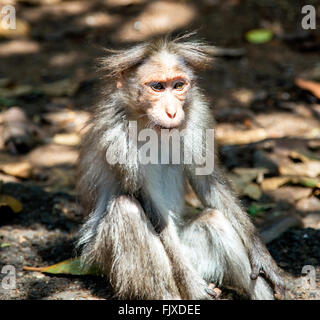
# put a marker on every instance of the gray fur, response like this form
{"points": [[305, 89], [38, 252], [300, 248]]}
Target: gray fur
{"points": [[137, 230]]}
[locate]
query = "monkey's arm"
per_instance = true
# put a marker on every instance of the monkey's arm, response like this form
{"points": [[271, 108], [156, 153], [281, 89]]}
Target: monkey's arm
{"points": [[190, 283], [215, 192]]}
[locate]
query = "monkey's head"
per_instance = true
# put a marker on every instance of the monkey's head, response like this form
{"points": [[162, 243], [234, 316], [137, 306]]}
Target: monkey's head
{"points": [[157, 78]]}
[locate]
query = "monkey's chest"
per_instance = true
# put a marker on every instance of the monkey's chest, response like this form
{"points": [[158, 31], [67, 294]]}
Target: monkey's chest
{"points": [[165, 186]]}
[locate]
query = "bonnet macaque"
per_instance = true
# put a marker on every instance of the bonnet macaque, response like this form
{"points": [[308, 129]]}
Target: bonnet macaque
{"points": [[138, 232]]}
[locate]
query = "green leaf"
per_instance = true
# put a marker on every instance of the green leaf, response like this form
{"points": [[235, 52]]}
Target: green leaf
{"points": [[256, 208], [308, 182], [70, 266], [5, 245], [257, 36]]}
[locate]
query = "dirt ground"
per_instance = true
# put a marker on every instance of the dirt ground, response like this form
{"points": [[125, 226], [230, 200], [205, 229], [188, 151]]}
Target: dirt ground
{"points": [[268, 126]]}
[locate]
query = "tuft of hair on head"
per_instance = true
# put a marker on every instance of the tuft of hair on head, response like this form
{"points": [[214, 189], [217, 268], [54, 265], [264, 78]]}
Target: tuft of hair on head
{"points": [[119, 61], [195, 53]]}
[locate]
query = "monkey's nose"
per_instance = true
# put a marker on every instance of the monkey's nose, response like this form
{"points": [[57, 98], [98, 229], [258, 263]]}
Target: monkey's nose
{"points": [[171, 114]]}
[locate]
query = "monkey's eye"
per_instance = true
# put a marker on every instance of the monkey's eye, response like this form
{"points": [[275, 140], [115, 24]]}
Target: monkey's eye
{"points": [[179, 85], [157, 86]]}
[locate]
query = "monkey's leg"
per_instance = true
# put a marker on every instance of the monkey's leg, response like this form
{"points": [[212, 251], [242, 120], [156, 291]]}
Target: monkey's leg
{"points": [[217, 252], [214, 191], [127, 249], [190, 282]]}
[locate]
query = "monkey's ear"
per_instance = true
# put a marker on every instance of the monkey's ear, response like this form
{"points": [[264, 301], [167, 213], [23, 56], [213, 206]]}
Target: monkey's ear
{"points": [[119, 61], [195, 53]]}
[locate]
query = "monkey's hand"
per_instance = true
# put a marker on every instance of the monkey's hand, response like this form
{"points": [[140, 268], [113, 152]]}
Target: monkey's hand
{"points": [[213, 291], [262, 264]]}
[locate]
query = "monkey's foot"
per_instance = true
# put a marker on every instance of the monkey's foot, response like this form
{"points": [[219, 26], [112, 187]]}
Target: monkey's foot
{"points": [[213, 291], [271, 274]]}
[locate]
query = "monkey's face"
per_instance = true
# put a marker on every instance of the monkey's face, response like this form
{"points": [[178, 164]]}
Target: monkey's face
{"points": [[163, 90]]}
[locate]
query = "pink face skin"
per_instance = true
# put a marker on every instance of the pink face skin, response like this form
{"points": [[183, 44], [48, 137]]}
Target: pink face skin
{"points": [[166, 97], [163, 90]]}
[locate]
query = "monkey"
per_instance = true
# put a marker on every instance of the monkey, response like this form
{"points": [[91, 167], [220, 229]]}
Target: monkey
{"points": [[137, 231]]}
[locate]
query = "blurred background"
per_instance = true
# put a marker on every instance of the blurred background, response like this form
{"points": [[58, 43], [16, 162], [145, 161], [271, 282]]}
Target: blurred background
{"points": [[264, 91]]}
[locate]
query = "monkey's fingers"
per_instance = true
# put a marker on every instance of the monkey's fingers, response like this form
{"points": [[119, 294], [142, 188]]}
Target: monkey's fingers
{"points": [[256, 271], [276, 282], [279, 292], [213, 291]]}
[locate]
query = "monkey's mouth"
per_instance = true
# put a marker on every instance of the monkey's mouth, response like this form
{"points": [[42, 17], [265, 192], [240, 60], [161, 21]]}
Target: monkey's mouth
{"points": [[157, 125], [162, 127]]}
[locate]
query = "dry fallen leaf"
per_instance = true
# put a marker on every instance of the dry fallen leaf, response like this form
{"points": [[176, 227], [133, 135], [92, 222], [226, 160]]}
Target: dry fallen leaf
{"points": [[309, 169], [7, 178], [70, 266], [68, 139], [17, 169], [312, 86], [68, 120], [242, 181], [52, 155], [229, 135], [252, 173], [40, 2], [273, 183], [289, 194], [276, 182], [299, 156], [22, 28], [306, 181], [309, 165], [13, 203], [253, 191]]}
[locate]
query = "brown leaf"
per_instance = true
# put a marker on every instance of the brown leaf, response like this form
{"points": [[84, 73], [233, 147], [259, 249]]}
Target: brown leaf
{"points": [[40, 2], [22, 29], [67, 139], [273, 183], [52, 155], [312, 86], [289, 194], [68, 120], [252, 173], [242, 183], [309, 169], [253, 191], [8, 201], [228, 135], [70, 266], [311, 220], [7, 178], [17, 169]]}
